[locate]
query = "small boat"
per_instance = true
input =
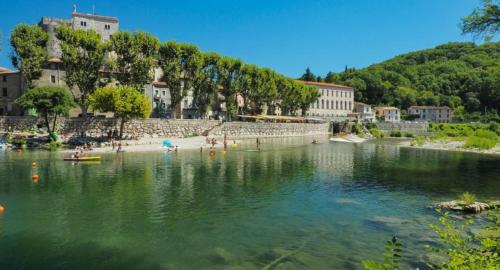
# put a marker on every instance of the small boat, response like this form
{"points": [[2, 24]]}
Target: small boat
{"points": [[83, 159]]}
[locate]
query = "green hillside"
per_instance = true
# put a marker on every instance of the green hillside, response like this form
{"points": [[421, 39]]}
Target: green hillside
{"points": [[455, 74]]}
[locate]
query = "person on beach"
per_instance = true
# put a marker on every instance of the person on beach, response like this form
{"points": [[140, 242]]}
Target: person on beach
{"points": [[119, 147]]}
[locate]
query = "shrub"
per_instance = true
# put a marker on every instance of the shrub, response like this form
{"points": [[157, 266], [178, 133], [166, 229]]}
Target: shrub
{"points": [[17, 141], [53, 145], [467, 197], [409, 135], [481, 143], [396, 134], [376, 133]]}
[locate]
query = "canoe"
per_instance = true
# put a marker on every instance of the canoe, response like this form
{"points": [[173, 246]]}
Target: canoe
{"points": [[83, 159]]}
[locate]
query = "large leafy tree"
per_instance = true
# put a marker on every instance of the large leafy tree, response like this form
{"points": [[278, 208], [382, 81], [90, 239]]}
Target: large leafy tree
{"points": [[181, 64], [49, 102], [133, 57], [30, 53], [228, 72], [83, 58], [483, 21], [124, 101], [309, 94], [308, 76], [205, 84]]}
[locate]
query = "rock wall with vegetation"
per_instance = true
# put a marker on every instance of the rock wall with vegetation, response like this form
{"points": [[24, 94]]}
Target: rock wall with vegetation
{"points": [[159, 128], [247, 129], [414, 128]]}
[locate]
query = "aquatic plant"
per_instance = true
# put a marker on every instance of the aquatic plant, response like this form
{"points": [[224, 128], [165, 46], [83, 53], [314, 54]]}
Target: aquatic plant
{"points": [[467, 197]]}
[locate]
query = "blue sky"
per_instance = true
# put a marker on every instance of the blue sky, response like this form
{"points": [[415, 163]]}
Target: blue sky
{"points": [[286, 35]]}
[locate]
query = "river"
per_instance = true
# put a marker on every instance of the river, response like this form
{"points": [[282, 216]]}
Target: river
{"points": [[293, 205]]}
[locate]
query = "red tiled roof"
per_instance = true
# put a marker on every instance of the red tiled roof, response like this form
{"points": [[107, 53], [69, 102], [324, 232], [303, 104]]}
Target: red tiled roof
{"points": [[326, 84], [7, 71]]}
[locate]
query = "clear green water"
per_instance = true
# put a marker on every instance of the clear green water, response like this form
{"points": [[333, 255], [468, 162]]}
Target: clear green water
{"points": [[325, 206]]}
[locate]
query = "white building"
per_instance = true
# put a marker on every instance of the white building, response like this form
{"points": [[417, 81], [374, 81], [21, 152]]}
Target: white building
{"points": [[335, 101], [364, 112], [388, 114], [431, 113]]}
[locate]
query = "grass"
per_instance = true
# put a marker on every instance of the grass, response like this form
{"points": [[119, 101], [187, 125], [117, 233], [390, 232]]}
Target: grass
{"points": [[467, 197]]}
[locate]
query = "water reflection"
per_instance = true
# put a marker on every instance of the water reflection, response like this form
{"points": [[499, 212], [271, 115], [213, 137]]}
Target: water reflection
{"points": [[329, 205]]}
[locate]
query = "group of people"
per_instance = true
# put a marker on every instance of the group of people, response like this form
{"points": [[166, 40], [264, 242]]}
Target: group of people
{"points": [[80, 150], [117, 145]]}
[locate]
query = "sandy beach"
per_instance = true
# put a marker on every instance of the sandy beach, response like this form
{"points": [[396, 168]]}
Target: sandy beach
{"points": [[152, 145]]}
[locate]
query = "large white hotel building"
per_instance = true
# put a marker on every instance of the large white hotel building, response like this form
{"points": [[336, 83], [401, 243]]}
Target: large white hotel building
{"points": [[335, 101]]}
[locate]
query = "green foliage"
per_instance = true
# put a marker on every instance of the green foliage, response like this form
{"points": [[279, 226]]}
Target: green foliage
{"points": [[392, 257], [83, 58], [376, 132], [418, 141], [454, 74], [180, 64], [356, 128], [49, 102], [409, 135], [53, 146], [135, 55], [480, 136], [29, 51], [308, 76], [17, 141], [484, 21], [396, 134], [467, 197], [124, 101], [465, 249]]}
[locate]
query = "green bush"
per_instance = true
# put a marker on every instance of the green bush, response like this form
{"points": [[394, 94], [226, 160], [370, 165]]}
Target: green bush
{"points": [[418, 141], [376, 133], [409, 135], [481, 143], [396, 134], [464, 248], [17, 141], [53, 145]]}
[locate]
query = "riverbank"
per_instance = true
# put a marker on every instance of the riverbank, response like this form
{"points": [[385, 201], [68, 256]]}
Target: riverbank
{"points": [[448, 145]]}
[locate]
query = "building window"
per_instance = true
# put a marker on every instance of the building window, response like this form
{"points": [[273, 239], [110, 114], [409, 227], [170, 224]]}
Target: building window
{"points": [[83, 23], [341, 105], [337, 93], [107, 27], [327, 104], [350, 106], [4, 92], [163, 93], [336, 104], [322, 104], [345, 105], [52, 79], [4, 78], [331, 104]]}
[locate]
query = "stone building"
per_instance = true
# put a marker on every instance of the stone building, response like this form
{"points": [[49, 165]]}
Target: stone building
{"points": [[388, 114], [335, 101], [431, 113], [11, 86]]}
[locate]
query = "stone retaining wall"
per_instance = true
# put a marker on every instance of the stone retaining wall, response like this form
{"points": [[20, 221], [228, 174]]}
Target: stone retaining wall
{"points": [[160, 128], [247, 129], [416, 128]]}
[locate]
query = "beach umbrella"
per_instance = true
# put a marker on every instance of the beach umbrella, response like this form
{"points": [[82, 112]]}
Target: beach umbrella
{"points": [[167, 143]]}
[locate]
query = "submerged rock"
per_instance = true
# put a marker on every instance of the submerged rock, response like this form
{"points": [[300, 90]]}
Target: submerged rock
{"points": [[475, 207]]}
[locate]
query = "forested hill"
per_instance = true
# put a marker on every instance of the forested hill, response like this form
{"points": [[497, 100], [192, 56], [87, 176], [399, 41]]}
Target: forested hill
{"points": [[455, 74]]}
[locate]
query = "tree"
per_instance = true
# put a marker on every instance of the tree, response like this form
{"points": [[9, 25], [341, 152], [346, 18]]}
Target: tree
{"points": [[49, 102], [30, 53], [181, 64], [228, 72], [83, 58], [205, 83], [309, 95], [484, 21], [308, 76], [124, 101], [133, 57]]}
